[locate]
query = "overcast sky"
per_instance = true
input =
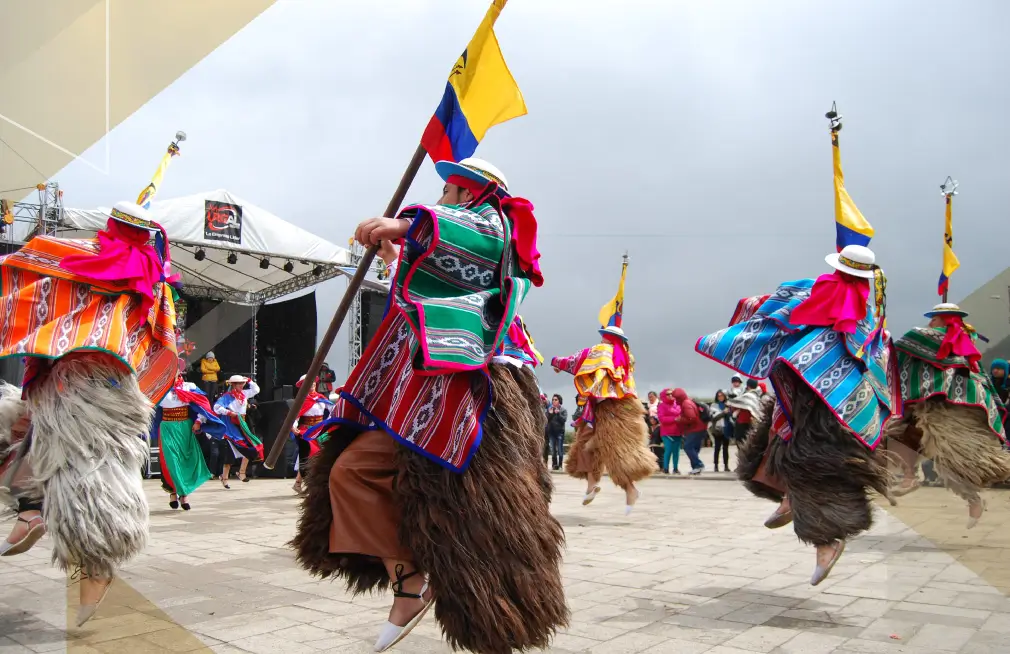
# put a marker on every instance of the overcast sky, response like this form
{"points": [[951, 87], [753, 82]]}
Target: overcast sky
{"points": [[690, 133]]}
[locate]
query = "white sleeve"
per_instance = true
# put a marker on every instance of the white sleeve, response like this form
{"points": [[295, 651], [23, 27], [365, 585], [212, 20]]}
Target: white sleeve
{"points": [[220, 409], [252, 391]]}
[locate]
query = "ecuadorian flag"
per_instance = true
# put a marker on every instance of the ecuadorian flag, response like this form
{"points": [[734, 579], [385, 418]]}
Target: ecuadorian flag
{"points": [[612, 313], [480, 94], [850, 226], [950, 262]]}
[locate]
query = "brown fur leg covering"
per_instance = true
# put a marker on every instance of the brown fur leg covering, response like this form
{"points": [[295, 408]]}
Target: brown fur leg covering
{"points": [[620, 441], [486, 537], [828, 474], [363, 574], [968, 456], [752, 451], [581, 461]]}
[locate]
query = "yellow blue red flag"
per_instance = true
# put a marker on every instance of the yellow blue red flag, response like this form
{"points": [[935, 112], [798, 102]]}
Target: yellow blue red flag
{"points": [[612, 313], [850, 226], [480, 94], [151, 189], [950, 262]]}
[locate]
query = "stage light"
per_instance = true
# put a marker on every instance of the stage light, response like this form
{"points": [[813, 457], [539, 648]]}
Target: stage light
{"points": [[317, 271], [289, 267], [264, 263], [200, 255], [233, 258]]}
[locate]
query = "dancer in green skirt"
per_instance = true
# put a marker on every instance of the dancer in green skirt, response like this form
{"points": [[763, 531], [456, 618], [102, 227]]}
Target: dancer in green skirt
{"points": [[182, 414]]}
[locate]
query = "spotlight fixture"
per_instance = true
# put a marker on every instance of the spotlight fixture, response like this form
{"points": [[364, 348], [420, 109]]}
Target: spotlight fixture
{"points": [[317, 271], [200, 254], [289, 267], [233, 258], [264, 263]]}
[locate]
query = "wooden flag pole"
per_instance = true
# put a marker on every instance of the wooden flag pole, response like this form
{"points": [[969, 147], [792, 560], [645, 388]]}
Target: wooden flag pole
{"points": [[338, 318]]}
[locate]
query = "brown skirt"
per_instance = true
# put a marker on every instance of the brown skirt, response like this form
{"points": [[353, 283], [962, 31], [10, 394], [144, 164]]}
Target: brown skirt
{"points": [[365, 513]]}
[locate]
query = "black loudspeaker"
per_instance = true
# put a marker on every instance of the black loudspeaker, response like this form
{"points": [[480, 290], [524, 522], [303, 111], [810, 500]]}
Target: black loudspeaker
{"points": [[272, 416], [269, 377], [284, 393], [373, 307]]}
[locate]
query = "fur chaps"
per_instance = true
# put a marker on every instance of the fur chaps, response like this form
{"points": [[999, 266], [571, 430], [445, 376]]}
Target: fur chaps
{"points": [[618, 444], [828, 473], [88, 418], [485, 538], [967, 455], [752, 451], [15, 478]]}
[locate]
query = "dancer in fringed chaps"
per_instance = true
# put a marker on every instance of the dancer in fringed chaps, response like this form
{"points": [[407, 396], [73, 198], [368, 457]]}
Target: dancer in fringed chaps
{"points": [[18, 491], [433, 484], [953, 414], [611, 435], [813, 455], [90, 391]]}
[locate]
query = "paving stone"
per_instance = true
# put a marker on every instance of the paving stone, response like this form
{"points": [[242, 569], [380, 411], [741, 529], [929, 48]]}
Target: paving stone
{"points": [[220, 578]]}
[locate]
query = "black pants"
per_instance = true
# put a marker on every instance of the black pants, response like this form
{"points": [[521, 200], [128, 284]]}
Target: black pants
{"points": [[210, 388], [304, 451], [29, 505], [721, 443]]}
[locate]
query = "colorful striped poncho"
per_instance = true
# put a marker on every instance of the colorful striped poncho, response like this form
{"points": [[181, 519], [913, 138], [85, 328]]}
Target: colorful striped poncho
{"points": [[423, 378], [597, 378], [47, 312], [858, 389], [923, 375]]}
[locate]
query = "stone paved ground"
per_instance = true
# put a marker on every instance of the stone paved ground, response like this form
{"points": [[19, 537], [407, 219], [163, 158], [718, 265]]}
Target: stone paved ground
{"points": [[691, 571]]}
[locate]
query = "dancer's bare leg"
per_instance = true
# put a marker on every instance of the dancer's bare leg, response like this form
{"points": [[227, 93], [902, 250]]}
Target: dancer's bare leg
{"points": [[225, 474], [242, 468], [405, 608], [631, 494]]}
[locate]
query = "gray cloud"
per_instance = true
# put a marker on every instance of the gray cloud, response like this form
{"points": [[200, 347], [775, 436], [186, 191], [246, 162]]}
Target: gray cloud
{"points": [[690, 134]]}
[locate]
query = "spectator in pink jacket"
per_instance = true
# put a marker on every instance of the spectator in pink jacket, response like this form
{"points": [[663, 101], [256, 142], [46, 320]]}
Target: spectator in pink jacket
{"points": [[670, 430], [693, 428]]}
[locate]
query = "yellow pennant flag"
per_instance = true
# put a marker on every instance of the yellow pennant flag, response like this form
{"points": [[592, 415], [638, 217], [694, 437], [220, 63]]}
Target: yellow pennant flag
{"points": [[612, 313], [850, 226], [151, 189], [950, 262]]}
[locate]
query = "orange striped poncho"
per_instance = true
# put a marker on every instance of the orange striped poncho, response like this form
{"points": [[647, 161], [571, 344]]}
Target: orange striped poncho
{"points": [[596, 376], [48, 312]]}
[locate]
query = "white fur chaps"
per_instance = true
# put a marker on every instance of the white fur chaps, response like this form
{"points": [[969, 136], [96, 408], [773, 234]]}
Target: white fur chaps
{"points": [[88, 452], [15, 481]]}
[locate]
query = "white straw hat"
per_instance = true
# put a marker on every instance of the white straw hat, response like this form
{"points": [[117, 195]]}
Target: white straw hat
{"points": [[475, 169], [132, 213], [856, 260], [237, 379], [616, 331], [946, 309]]}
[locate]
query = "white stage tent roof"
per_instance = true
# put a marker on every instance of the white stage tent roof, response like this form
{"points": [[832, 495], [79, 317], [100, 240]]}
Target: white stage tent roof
{"points": [[205, 229]]}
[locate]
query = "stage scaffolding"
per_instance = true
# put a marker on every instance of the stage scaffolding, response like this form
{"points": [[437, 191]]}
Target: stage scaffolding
{"points": [[28, 219], [377, 282]]}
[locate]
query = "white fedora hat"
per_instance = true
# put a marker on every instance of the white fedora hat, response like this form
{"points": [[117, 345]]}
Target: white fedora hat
{"points": [[946, 309], [132, 213], [475, 169], [236, 379], [616, 331], [856, 260]]}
